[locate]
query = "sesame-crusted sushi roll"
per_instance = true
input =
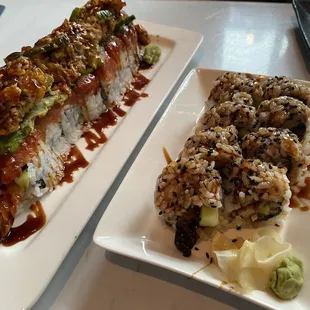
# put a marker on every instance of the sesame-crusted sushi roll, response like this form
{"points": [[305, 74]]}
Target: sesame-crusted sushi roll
{"points": [[284, 112], [242, 98], [227, 85], [283, 86], [255, 192], [242, 116], [278, 146], [186, 188], [217, 144]]}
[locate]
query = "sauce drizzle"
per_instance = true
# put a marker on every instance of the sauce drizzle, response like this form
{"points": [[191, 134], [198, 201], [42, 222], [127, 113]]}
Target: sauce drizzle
{"points": [[119, 111], [131, 97], [167, 156], [94, 140], [28, 228], [145, 66], [74, 162], [140, 82]]}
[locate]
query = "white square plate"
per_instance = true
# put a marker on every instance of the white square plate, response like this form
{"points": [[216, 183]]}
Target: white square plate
{"points": [[27, 267], [131, 225]]}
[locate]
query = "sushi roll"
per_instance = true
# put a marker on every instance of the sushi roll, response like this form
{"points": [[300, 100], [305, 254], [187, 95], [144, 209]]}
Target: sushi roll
{"points": [[217, 144], [279, 147], [53, 91], [284, 112], [227, 85], [242, 98], [185, 189], [242, 116], [255, 192], [283, 86]]}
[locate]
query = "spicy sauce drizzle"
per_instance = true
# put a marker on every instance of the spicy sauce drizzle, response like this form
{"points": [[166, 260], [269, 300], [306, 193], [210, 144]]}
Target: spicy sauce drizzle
{"points": [[28, 228]]}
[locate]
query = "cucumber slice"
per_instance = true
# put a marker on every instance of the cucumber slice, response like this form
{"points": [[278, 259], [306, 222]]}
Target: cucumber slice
{"points": [[23, 180], [209, 216]]}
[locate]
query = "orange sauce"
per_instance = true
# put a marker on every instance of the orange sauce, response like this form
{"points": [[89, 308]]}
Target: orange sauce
{"points": [[223, 284], [167, 156]]}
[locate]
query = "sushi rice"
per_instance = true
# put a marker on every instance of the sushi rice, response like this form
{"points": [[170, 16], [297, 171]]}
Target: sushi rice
{"points": [[249, 148]]}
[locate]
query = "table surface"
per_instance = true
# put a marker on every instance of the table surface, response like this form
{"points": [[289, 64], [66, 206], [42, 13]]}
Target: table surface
{"points": [[261, 38]]}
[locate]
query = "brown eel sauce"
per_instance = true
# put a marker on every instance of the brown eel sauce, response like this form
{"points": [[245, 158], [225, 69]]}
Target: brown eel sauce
{"points": [[28, 228]]}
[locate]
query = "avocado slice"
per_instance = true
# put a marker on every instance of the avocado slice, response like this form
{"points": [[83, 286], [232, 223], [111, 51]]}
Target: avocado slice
{"points": [[209, 216], [23, 180], [10, 143]]}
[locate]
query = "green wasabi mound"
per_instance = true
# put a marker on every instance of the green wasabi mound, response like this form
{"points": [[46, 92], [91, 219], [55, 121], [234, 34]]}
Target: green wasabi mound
{"points": [[151, 54], [287, 278]]}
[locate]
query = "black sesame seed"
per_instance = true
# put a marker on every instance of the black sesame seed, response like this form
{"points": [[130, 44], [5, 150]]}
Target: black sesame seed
{"points": [[196, 249], [238, 227], [172, 204], [207, 254], [234, 240], [277, 225], [211, 260], [160, 213]]}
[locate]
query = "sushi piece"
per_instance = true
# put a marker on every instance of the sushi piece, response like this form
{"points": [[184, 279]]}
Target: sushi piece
{"points": [[284, 112], [242, 98], [183, 189], [217, 144], [231, 83], [283, 86], [255, 192], [242, 116], [279, 147], [52, 92]]}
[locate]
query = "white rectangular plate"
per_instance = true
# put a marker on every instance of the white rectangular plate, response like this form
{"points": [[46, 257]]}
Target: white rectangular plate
{"points": [[131, 225], [27, 267]]}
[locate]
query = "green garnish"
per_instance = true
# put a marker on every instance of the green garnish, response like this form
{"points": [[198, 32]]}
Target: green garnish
{"points": [[10, 143], [41, 49], [104, 15], [287, 278], [208, 216], [74, 15], [123, 22], [151, 54]]}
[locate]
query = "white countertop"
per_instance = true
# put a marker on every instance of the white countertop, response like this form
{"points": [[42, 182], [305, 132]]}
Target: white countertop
{"points": [[259, 38]]}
